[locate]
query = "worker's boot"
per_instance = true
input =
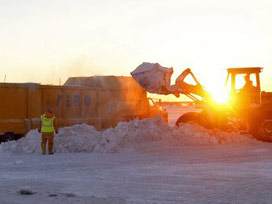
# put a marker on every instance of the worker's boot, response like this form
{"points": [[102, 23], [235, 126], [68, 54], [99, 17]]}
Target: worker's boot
{"points": [[43, 148], [50, 148]]}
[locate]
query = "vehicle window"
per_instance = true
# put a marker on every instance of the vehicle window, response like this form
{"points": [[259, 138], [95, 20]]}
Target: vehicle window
{"points": [[253, 79], [240, 80]]}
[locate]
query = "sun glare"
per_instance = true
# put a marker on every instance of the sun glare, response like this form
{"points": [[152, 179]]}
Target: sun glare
{"points": [[219, 95]]}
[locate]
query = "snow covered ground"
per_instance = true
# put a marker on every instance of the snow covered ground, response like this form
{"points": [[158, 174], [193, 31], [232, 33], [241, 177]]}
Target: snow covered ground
{"points": [[138, 162]]}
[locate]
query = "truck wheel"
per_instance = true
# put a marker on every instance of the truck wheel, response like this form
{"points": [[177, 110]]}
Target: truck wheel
{"points": [[187, 118], [264, 131], [9, 136]]}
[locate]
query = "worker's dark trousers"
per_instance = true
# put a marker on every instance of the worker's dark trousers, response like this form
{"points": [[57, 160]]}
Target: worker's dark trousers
{"points": [[47, 136]]}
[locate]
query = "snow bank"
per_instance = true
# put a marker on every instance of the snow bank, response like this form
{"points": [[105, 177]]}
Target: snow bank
{"points": [[129, 134], [84, 138], [76, 138]]}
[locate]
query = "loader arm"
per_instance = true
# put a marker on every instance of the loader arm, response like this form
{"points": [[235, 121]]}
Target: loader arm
{"points": [[181, 87], [156, 79]]}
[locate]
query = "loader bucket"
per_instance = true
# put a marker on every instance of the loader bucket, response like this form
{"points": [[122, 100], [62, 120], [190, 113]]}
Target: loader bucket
{"points": [[153, 77]]}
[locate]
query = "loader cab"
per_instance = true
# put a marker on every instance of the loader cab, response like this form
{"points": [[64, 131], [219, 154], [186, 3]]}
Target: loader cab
{"points": [[243, 84]]}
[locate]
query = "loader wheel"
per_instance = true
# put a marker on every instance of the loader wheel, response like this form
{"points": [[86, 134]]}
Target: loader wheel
{"points": [[187, 118], [263, 132]]}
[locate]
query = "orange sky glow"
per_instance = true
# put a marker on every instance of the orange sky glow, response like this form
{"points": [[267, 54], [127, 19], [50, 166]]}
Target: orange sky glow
{"points": [[44, 40]]}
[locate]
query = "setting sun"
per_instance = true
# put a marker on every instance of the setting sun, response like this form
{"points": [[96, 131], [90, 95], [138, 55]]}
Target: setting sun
{"points": [[216, 87], [219, 95]]}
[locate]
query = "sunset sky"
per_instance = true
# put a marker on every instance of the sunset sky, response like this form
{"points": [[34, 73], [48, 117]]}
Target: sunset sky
{"points": [[44, 40]]}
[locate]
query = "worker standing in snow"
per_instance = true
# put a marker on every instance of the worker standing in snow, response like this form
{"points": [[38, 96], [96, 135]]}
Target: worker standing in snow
{"points": [[48, 127]]}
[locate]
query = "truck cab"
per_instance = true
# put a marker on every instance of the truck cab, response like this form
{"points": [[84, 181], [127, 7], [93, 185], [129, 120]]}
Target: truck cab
{"points": [[243, 85], [253, 105]]}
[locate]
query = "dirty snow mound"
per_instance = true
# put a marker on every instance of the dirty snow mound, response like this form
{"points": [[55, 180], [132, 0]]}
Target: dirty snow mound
{"points": [[192, 134], [132, 133], [84, 138], [30, 143], [76, 138]]}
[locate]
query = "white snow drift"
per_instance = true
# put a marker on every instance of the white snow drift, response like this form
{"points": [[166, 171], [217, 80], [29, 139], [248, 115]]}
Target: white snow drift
{"points": [[84, 138]]}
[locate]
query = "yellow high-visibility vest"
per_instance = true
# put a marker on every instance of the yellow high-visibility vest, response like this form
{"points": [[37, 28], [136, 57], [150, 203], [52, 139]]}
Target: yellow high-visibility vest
{"points": [[47, 123]]}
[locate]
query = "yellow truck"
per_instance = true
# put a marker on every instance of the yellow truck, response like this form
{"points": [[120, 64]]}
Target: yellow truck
{"points": [[100, 101]]}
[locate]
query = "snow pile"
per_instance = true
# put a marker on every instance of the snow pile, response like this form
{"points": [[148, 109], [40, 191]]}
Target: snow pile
{"points": [[30, 143], [189, 134], [133, 133], [84, 138], [192, 134], [76, 138]]}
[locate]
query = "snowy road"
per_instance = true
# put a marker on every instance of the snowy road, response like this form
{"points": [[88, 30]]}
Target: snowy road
{"points": [[203, 174], [146, 171]]}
